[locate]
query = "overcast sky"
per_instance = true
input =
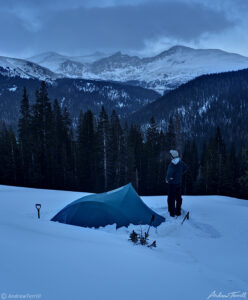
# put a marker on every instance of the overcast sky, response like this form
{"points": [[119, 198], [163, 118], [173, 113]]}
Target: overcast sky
{"points": [[143, 27]]}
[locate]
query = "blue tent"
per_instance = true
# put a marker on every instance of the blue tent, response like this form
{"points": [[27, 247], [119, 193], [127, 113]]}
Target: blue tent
{"points": [[122, 207]]}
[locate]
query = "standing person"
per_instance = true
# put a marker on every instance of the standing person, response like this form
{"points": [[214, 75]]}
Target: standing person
{"points": [[175, 171]]}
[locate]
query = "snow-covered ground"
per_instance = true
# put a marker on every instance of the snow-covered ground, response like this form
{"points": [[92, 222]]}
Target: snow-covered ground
{"points": [[47, 260]]}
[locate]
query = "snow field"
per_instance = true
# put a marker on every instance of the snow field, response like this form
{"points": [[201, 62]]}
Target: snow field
{"points": [[58, 261]]}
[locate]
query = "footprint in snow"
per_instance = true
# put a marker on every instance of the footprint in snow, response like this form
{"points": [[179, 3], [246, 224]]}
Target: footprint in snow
{"points": [[205, 230]]}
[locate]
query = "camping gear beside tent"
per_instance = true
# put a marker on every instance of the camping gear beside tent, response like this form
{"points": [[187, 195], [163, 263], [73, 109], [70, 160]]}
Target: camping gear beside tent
{"points": [[122, 207]]}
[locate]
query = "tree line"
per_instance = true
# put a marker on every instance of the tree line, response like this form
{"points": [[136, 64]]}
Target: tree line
{"points": [[99, 153]]}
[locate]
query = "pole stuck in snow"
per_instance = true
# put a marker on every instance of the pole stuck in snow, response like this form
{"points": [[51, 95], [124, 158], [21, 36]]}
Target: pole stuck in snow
{"points": [[38, 206], [186, 217], [152, 220]]}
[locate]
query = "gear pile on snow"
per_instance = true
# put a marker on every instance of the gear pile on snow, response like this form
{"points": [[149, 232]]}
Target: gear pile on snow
{"points": [[133, 237], [141, 239]]}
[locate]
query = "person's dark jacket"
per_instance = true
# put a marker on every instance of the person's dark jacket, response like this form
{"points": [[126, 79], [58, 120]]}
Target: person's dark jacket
{"points": [[175, 171]]}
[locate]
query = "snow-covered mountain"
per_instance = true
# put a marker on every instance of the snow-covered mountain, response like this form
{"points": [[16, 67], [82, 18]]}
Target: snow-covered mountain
{"points": [[162, 72], [47, 66], [68, 66], [53, 57], [12, 67]]}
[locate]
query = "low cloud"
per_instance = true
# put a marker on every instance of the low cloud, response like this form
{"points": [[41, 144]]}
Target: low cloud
{"points": [[26, 30]]}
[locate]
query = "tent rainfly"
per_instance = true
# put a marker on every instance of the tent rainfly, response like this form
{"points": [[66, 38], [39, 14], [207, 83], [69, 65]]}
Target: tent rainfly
{"points": [[122, 207]]}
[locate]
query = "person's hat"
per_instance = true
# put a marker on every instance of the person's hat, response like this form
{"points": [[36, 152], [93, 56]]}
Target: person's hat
{"points": [[174, 153]]}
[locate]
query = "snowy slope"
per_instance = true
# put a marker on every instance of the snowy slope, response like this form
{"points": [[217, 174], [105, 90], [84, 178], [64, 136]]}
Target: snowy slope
{"points": [[49, 58], [57, 261], [165, 71], [60, 64], [69, 66], [170, 68], [12, 67]]}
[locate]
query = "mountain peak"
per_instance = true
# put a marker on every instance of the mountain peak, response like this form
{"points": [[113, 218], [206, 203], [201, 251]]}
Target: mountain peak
{"points": [[175, 49], [117, 54], [179, 48], [43, 56]]}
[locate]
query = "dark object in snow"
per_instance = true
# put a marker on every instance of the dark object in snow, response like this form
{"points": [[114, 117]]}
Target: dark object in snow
{"points": [[38, 207], [174, 199], [133, 237], [143, 240], [122, 207], [152, 220], [152, 245], [186, 217]]}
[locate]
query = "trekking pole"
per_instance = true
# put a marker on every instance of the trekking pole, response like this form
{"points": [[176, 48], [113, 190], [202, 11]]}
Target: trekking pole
{"points": [[186, 217], [152, 220], [38, 206]]}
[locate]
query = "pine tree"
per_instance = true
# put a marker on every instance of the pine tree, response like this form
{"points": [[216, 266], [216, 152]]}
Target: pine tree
{"points": [[215, 165], [70, 151], [124, 156], [202, 184], [221, 162], [230, 180], [178, 134], [134, 156], [42, 138], [116, 133], [188, 180], [211, 170], [190, 156], [171, 136], [86, 152], [9, 157], [103, 144], [152, 153], [243, 179], [24, 138], [59, 151], [162, 164]]}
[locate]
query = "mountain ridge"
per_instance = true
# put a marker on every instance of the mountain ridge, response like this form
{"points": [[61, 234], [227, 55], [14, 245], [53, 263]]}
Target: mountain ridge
{"points": [[75, 94], [201, 105], [161, 72]]}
